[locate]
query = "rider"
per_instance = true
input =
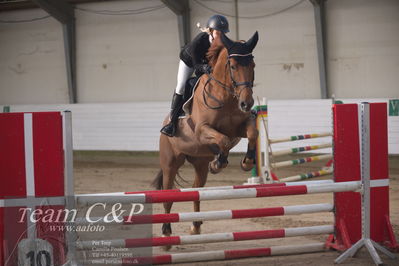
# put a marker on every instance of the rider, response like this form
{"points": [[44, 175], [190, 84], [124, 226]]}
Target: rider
{"points": [[193, 58]]}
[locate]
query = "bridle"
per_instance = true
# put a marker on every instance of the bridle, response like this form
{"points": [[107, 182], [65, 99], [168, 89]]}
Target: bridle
{"points": [[229, 89]]}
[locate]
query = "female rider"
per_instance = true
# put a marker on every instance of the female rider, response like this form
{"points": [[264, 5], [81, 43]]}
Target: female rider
{"points": [[193, 58]]}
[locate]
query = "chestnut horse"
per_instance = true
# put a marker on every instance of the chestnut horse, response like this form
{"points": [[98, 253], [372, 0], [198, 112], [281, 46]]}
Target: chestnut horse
{"points": [[220, 116]]}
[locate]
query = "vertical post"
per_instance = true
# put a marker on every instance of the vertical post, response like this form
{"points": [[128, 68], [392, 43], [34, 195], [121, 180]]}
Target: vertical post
{"points": [[266, 172], [319, 16], [70, 56], [364, 142], [71, 236], [182, 11], [183, 22], [64, 12], [236, 19]]}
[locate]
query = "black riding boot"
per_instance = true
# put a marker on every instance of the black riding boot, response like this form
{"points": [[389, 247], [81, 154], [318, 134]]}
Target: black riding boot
{"points": [[170, 129]]}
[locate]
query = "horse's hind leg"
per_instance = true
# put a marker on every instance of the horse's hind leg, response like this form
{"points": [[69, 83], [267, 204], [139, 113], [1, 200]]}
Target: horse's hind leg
{"points": [[201, 174], [168, 183], [170, 164]]}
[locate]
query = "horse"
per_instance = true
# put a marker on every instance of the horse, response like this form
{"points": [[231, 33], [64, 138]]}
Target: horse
{"points": [[220, 116]]}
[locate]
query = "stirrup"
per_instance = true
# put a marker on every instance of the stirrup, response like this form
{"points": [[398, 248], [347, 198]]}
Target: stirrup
{"points": [[169, 130]]}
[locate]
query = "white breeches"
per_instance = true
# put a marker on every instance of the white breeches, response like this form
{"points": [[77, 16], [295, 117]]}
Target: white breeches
{"points": [[183, 75]]}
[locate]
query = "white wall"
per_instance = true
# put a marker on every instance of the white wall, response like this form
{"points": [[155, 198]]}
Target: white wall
{"points": [[119, 58], [286, 55], [135, 126], [363, 47], [126, 58], [32, 62], [134, 58]]}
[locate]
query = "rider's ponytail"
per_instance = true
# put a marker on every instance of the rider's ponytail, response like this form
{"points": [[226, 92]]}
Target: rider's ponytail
{"points": [[203, 29]]}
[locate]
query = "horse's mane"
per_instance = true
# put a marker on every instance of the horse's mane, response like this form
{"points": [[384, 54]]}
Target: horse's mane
{"points": [[213, 52]]}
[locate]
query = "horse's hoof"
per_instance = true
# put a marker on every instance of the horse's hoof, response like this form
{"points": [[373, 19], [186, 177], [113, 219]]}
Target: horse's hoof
{"points": [[213, 169], [247, 166], [166, 248], [195, 230]]}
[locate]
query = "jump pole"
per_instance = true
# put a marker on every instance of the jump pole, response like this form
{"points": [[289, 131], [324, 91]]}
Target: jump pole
{"points": [[216, 215], [214, 255], [208, 238], [223, 194], [313, 182]]}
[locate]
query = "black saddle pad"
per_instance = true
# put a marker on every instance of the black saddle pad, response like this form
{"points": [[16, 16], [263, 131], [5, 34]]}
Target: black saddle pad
{"points": [[188, 91]]}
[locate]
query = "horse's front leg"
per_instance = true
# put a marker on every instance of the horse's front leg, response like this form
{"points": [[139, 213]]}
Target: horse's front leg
{"points": [[218, 143], [250, 132], [201, 173]]}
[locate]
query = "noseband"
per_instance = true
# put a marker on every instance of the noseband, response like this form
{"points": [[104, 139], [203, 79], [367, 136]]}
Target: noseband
{"points": [[247, 84], [231, 90]]}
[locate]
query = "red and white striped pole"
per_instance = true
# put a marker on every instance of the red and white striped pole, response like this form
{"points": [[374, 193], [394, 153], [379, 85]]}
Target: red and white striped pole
{"points": [[207, 238], [215, 215], [221, 194], [212, 255]]}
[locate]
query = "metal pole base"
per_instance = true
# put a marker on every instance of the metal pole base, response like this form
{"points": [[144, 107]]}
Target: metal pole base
{"points": [[371, 247]]}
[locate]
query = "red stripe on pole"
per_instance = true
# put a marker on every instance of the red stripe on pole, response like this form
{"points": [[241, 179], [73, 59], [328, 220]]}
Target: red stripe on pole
{"points": [[245, 253], [251, 235], [172, 197], [153, 191], [281, 191], [148, 192], [250, 213], [152, 219], [152, 242]]}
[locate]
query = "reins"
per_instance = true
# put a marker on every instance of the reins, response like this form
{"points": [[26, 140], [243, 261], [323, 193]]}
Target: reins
{"points": [[230, 90]]}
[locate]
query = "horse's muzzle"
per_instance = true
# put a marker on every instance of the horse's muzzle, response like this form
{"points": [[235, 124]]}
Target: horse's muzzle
{"points": [[245, 106]]}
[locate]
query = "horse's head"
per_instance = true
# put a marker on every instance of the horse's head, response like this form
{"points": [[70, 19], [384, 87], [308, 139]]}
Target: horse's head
{"points": [[241, 69]]}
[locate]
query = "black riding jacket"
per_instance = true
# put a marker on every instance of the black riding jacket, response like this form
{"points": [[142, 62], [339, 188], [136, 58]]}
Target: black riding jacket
{"points": [[193, 54]]}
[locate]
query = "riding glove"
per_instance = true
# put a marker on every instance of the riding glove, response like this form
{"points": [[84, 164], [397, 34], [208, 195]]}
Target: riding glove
{"points": [[203, 69]]}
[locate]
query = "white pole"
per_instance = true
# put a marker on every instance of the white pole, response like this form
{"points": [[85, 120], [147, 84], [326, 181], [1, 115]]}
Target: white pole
{"points": [[266, 173]]}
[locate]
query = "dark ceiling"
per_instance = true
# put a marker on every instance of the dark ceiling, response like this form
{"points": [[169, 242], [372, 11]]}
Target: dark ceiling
{"points": [[7, 5]]}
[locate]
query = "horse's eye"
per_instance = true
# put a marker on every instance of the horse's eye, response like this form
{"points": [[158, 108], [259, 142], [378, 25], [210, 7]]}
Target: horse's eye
{"points": [[233, 68]]}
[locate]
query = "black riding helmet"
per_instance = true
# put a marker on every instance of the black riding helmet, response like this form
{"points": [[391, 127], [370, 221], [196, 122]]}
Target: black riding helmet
{"points": [[218, 22]]}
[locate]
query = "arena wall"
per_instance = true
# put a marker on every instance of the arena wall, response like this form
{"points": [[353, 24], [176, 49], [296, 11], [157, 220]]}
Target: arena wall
{"points": [[135, 126], [134, 58]]}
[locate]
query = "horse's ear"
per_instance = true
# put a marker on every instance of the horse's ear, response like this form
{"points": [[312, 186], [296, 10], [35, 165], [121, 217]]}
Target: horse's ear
{"points": [[253, 41], [226, 41]]}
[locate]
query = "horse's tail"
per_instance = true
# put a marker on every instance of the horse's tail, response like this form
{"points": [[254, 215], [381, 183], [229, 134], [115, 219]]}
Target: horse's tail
{"points": [[158, 180]]}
